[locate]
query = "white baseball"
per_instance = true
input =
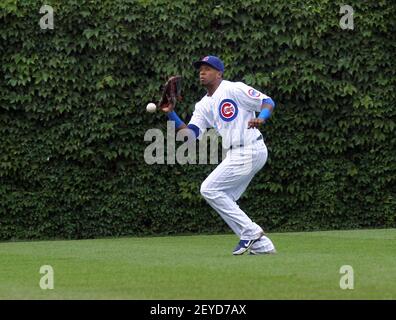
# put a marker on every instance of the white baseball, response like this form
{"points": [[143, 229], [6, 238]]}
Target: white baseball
{"points": [[151, 107]]}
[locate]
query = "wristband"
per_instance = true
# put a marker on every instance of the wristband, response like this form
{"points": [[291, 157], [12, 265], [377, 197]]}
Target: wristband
{"points": [[264, 114]]}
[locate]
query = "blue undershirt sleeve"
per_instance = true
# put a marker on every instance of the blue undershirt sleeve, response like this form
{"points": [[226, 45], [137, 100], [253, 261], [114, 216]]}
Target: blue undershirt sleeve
{"points": [[174, 117]]}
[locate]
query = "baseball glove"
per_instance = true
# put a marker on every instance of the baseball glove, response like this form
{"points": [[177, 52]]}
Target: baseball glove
{"points": [[171, 93]]}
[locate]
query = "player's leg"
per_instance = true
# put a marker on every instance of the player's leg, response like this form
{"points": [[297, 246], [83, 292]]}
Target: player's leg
{"points": [[226, 184], [219, 189], [222, 202], [264, 245]]}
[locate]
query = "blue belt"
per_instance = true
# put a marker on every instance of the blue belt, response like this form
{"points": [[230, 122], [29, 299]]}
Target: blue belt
{"points": [[260, 137]]}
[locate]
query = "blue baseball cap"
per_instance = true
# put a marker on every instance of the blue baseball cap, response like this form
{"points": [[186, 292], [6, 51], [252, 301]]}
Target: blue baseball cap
{"points": [[212, 61]]}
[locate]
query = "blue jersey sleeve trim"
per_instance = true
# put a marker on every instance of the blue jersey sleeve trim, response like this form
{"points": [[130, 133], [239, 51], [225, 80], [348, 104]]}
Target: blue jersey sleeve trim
{"points": [[269, 101], [194, 128]]}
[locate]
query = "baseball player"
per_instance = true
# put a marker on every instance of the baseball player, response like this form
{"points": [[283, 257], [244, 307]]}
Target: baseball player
{"points": [[230, 108]]}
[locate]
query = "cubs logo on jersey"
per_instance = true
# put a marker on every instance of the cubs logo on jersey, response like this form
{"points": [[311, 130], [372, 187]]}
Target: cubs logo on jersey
{"points": [[253, 93], [228, 110]]}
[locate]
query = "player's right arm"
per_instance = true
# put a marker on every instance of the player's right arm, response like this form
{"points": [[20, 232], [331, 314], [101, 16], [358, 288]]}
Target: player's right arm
{"points": [[194, 125]]}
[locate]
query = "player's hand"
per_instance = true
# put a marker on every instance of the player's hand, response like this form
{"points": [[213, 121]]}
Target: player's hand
{"points": [[255, 123]]}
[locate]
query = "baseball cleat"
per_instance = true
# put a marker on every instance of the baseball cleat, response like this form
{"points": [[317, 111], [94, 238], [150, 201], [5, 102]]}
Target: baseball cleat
{"points": [[255, 253], [244, 245]]}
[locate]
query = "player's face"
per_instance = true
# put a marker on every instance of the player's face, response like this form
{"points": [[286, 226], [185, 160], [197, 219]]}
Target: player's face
{"points": [[208, 75]]}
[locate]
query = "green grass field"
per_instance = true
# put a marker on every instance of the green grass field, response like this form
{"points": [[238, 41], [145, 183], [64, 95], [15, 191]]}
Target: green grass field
{"points": [[307, 266]]}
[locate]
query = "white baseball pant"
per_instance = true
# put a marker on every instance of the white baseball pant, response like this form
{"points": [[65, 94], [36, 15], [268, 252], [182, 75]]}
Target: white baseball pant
{"points": [[225, 185]]}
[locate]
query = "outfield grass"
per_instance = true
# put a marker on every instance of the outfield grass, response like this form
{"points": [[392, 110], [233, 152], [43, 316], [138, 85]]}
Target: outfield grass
{"points": [[307, 266]]}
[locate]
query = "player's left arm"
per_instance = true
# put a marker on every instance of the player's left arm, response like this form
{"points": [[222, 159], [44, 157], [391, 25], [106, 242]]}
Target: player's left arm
{"points": [[267, 107], [251, 99]]}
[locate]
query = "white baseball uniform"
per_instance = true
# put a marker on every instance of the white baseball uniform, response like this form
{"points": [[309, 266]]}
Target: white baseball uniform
{"points": [[228, 110]]}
